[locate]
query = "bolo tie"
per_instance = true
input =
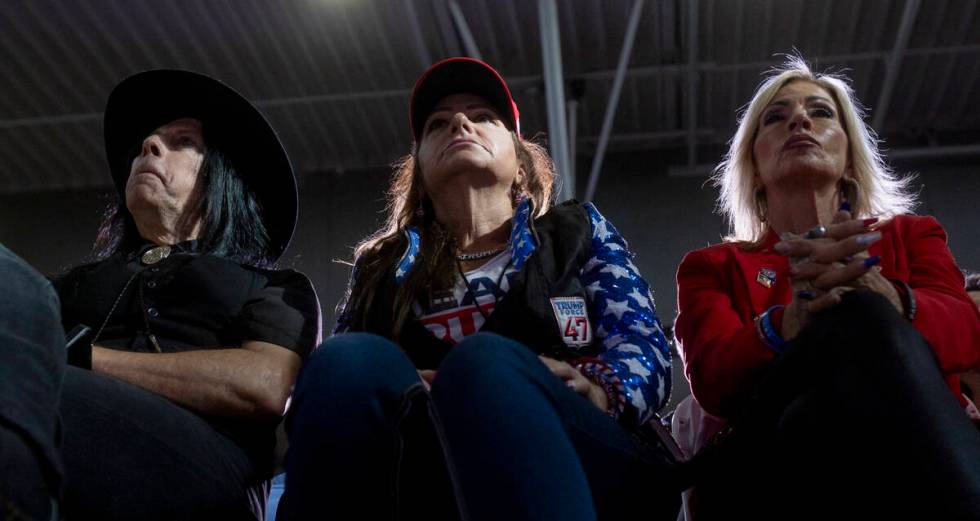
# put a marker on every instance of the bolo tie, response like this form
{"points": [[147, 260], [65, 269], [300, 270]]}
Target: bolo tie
{"points": [[148, 258]]}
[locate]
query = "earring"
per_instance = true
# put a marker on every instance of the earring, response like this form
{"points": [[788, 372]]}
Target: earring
{"points": [[761, 207], [848, 191], [517, 196], [420, 209]]}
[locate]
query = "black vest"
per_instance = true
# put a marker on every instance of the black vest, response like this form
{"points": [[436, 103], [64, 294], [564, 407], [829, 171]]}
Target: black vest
{"points": [[525, 314]]}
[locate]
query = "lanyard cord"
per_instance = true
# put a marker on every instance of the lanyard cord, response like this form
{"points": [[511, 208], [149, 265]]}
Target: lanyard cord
{"points": [[472, 295], [113, 308], [146, 321]]}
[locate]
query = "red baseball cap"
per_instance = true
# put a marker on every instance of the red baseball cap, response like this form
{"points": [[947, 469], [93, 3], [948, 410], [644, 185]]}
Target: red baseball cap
{"points": [[456, 76]]}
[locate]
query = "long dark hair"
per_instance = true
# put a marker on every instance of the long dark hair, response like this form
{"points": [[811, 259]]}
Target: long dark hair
{"points": [[377, 254], [232, 224]]}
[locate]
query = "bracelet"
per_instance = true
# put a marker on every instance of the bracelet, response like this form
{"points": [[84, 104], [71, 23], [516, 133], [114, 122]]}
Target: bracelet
{"points": [[907, 296], [767, 333], [599, 373]]}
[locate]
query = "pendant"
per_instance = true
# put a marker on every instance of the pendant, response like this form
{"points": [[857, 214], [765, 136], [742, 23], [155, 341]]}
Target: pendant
{"points": [[155, 255], [766, 277]]}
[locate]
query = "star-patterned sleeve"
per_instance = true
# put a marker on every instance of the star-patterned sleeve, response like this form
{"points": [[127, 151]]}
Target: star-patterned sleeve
{"points": [[633, 365]]}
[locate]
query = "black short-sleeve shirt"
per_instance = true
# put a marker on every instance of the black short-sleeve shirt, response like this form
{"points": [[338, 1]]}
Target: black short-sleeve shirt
{"points": [[189, 302], [192, 301]]}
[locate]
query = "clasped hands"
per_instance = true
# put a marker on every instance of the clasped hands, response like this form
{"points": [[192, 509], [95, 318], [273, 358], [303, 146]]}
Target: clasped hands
{"points": [[827, 262]]}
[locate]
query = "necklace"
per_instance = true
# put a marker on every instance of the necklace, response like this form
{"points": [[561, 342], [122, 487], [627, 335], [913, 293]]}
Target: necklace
{"points": [[480, 254]]}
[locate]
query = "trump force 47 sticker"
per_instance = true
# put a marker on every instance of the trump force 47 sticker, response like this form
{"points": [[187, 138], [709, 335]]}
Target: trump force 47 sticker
{"points": [[573, 320]]}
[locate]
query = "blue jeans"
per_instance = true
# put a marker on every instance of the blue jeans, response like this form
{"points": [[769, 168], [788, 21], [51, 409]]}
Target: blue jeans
{"points": [[498, 437], [32, 366], [105, 448]]}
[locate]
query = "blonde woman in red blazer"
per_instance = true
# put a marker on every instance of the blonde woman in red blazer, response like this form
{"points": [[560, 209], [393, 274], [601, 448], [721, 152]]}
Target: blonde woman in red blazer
{"points": [[829, 330]]}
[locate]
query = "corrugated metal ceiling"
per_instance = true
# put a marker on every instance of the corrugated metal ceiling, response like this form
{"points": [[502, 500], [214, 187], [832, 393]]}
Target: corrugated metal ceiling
{"points": [[333, 75]]}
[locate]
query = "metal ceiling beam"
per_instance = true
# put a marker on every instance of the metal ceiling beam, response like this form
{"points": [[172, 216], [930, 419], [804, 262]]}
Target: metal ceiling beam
{"points": [[524, 82], [641, 137], [554, 85], [469, 43], [613, 103], [703, 169], [894, 64], [571, 107], [90, 117]]}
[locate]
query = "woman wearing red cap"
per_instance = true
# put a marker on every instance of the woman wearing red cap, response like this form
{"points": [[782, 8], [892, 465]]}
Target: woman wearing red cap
{"points": [[500, 358]]}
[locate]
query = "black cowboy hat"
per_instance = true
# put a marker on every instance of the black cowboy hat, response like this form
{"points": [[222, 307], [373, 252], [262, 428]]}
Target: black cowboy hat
{"points": [[147, 100]]}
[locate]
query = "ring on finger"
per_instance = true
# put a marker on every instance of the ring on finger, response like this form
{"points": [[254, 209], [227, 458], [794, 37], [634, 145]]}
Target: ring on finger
{"points": [[816, 232]]}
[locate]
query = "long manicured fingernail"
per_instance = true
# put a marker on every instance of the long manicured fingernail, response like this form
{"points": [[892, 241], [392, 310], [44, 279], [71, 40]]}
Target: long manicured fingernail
{"points": [[869, 221], [781, 247], [845, 206], [786, 236], [805, 294], [868, 238], [871, 261]]}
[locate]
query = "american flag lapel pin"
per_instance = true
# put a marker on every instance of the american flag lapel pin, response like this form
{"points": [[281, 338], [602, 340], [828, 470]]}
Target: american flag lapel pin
{"points": [[766, 277]]}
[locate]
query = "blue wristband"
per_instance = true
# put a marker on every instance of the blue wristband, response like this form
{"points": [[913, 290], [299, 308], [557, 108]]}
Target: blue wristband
{"points": [[768, 333]]}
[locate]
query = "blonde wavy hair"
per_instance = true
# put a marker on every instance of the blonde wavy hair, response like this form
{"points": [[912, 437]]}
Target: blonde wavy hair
{"points": [[872, 190]]}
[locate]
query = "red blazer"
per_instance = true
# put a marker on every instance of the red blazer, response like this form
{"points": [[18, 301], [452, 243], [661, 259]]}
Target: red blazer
{"points": [[719, 297]]}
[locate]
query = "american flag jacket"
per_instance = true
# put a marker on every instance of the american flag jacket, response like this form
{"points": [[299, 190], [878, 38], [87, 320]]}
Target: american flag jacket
{"points": [[577, 297]]}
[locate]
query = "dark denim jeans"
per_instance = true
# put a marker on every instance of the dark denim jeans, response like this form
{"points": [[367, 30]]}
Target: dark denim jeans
{"points": [[854, 421], [110, 450], [32, 365], [498, 437]]}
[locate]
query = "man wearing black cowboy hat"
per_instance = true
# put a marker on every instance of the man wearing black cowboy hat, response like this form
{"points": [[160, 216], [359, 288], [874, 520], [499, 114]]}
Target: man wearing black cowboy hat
{"points": [[184, 341]]}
